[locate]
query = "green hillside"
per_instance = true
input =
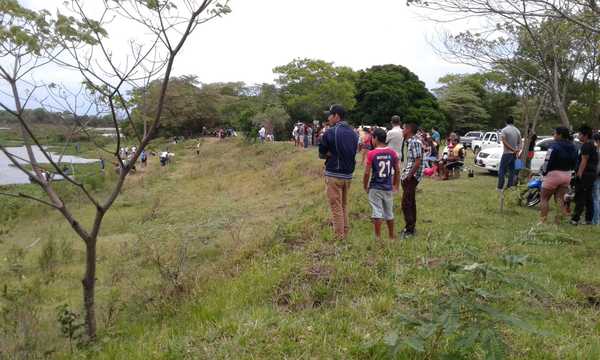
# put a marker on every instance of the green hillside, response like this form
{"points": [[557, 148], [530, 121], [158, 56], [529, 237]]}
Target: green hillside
{"points": [[228, 255]]}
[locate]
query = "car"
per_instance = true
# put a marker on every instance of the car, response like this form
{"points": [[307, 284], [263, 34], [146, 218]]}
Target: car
{"points": [[467, 139], [490, 139], [489, 159]]}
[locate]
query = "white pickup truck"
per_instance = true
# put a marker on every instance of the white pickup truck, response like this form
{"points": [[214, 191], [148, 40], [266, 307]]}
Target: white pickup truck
{"points": [[491, 139]]}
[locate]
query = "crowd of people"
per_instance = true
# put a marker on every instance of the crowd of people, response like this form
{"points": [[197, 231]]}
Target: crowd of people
{"points": [[398, 159], [382, 152], [567, 166]]}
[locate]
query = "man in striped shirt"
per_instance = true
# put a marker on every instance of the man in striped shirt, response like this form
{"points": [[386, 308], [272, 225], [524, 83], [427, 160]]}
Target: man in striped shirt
{"points": [[411, 175]]}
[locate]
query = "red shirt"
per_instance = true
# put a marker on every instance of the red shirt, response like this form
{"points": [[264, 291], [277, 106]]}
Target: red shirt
{"points": [[382, 162]]}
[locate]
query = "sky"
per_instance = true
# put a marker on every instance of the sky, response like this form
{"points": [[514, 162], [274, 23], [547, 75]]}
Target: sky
{"points": [[259, 35]]}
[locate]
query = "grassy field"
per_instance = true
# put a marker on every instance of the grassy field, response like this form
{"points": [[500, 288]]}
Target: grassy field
{"points": [[229, 255]]}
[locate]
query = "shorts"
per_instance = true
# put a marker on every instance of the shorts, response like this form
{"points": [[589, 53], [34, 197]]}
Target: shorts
{"points": [[556, 179], [382, 204]]}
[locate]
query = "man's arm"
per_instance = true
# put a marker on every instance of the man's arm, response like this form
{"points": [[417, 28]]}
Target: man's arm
{"points": [[323, 147], [396, 183], [549, 158], [417, 165], [582, 165], [367, 176]]}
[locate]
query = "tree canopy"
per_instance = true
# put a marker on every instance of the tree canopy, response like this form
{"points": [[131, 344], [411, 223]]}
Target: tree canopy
{"points": [[387, 90], [308, 87]]}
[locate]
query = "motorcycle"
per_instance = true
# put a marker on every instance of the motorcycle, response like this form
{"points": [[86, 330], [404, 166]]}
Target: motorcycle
{"points": [[532, 195]]}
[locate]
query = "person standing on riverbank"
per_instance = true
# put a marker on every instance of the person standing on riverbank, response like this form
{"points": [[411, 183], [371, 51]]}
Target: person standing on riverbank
{"points": [[381, 180], [411, 175], [338, 147]]}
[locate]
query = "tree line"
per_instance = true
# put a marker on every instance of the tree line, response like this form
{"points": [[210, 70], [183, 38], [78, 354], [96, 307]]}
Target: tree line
{"points": [[41, 116], [304, 88]]}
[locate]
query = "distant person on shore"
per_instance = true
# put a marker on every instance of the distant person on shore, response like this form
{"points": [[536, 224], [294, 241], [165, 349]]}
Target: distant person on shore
{"points": [[511, 142], [381, 180], [164, 158], [296, 135], [411, 175], [395, 137], [338, 148], [585, 176], [560, 162], [262, 134], [144, 158], [305, 135]]}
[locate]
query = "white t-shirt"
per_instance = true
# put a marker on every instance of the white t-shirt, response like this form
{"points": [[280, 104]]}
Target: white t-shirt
{"points": [[395, 139], [262, 132]]}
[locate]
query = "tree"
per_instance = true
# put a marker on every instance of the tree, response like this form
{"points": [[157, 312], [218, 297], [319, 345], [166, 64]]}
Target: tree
{"points": [[32, 40], [309, 87], [462, 104], [387, 90], [476, 101], [523, 39], [274, 119], [582, 13], [187, 106], [255, 105]]}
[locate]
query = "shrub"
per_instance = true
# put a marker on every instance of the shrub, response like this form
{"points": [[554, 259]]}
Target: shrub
{"points": [[48, 260], [19, 321]]}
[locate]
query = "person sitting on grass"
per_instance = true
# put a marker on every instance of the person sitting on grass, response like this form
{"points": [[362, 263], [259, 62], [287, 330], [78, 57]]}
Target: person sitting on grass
{"points": [[455, 158], [381, 180]]}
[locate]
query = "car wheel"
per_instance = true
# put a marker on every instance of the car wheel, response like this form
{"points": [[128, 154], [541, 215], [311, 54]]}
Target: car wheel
{"points": [[476, 150], [532, 197]]}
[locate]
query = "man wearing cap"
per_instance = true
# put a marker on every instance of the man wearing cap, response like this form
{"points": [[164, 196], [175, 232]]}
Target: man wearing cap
{"points": [[338, 147]]}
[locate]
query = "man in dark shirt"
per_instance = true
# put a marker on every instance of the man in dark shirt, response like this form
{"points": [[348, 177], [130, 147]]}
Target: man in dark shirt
{"points": [[587, 161], [338, 147]]}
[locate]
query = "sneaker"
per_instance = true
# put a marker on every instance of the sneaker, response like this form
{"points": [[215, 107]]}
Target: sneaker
{"points": [[404, 234], [574, 223]]}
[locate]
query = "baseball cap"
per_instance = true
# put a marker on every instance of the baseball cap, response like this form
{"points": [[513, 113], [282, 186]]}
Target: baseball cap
{"points": [[336, 110]]}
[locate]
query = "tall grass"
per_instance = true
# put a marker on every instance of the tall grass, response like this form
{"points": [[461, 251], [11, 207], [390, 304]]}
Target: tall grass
{"points": [[229, 255]]}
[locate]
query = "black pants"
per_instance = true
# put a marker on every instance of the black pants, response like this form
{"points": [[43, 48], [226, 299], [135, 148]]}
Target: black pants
{"points": [[409, 203], [584, 198]]}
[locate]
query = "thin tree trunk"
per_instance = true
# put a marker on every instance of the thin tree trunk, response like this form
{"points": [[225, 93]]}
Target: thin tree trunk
{"points": [[559, 104], [526, 125], [534, 125], [89, 287]]}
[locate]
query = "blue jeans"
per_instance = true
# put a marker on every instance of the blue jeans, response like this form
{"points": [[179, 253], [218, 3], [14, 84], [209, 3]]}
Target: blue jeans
{"points": [[596, 219], [507, 165]]}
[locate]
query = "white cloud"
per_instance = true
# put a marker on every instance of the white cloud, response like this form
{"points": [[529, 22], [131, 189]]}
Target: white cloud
{"points": [[261, 34]]}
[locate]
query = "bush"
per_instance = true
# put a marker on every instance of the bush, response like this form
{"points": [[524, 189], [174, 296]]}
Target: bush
{"points": [[15, 259], [19, 321], [48, 259]]}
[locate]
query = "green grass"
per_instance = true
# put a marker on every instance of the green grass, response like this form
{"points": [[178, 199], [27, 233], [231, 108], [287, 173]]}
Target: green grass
{"points": [[265, 279]]}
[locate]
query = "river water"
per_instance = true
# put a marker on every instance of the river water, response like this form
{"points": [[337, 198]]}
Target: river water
{"points": [[10, 175]]}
